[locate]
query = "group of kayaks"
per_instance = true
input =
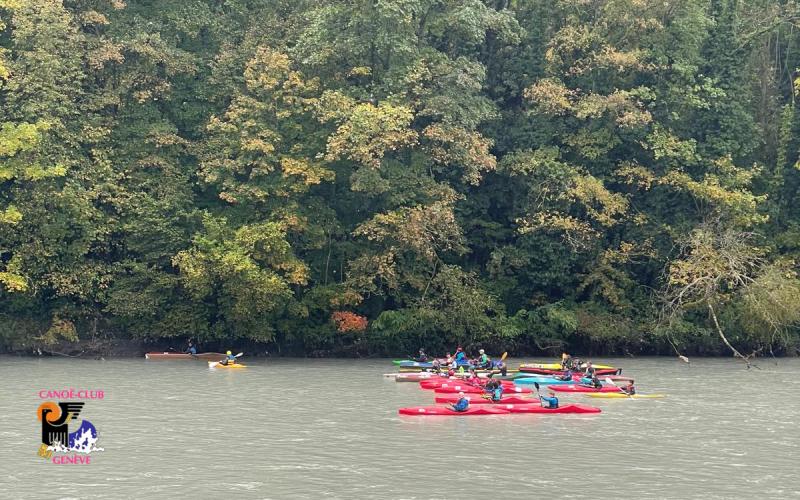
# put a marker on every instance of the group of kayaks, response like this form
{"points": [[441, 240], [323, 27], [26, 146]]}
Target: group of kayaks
{"points": [[214, 359], [521, 389]]}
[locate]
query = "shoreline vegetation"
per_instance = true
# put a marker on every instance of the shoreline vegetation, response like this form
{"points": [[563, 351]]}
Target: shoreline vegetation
{"points": [[353, 179]]}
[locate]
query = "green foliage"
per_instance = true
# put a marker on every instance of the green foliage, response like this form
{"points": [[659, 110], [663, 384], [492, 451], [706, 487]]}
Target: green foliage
{"points": [[521, 175]]}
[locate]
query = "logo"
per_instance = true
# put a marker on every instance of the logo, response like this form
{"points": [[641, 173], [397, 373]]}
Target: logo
{"points": [[66, 439]]}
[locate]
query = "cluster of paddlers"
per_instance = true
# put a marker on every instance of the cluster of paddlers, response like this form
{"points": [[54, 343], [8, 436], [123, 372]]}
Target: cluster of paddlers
{"points": [[465, 383]]}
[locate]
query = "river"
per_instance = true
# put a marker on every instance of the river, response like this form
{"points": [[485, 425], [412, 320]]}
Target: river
{"points": [[298, 428]]}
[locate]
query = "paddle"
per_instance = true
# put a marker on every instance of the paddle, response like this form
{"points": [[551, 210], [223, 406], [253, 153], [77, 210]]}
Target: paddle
{"points": [[536, 384], [611, 382], [212, 364]]}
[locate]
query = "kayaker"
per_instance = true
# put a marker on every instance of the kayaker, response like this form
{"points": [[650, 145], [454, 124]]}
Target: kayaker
{"points": [[461, 356], [552, 400], [191, 349], [497, 391], [565, 360], [462, 404], [422, 358], [567, 375], [589, 372], [229, 359], [483, 360], [629, 389], [592, 382], [500, 365]]}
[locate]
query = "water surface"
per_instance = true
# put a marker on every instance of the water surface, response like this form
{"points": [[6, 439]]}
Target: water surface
{"points": [[292, 429]]}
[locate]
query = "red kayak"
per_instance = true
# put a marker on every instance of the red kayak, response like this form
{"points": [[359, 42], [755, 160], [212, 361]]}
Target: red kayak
{"points": [[537, 408], [423, 411], [435, 384], [474, 399], [583, 388], [545, 371], [469, 389], [203, 356]]}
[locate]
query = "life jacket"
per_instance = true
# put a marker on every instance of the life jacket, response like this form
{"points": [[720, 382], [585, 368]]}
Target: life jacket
{"points": [[461, 405]]}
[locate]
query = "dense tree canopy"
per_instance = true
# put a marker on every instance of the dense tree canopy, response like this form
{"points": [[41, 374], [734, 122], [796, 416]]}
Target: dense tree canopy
{"points": [[371, 176]]}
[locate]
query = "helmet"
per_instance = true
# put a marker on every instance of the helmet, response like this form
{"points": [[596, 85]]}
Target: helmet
{"points": [[481, 351], [228, 353], [460, 393]]}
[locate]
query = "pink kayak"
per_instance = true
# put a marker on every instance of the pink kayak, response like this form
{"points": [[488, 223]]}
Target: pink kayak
{"points": [[475, 399], [583, 388], [537, 408], [445, 411], [469, 389]]}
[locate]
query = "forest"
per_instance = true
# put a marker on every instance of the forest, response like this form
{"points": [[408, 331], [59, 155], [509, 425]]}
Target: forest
{"points": [[367, 177]]}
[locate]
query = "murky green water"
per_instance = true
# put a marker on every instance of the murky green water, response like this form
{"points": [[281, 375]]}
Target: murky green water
{"points": [[287, 429]]}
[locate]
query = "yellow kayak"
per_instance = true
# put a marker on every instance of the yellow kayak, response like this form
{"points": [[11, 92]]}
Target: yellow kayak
{"points": [[557, 366], [619, 395], [216, 364]]}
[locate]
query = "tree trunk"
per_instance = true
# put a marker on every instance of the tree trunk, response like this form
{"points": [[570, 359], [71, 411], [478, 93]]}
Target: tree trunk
{"points": [[736, 353]]}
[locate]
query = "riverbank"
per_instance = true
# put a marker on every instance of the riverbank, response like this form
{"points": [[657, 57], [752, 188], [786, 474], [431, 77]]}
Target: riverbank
{"points": [[127, 348]]}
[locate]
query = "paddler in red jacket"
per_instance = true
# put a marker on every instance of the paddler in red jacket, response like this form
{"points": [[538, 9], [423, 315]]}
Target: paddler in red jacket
{"points": [[629, 389]]}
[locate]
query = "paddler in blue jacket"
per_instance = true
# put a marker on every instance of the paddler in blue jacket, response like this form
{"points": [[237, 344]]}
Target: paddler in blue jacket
{"points": [[462, 404], [566, 376], [461, 358], [552, 400], [229, 359], [497, 392], [191, 349]]}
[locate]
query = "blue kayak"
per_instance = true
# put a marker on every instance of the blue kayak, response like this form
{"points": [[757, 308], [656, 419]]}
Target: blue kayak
{"points": [[542, 381]]}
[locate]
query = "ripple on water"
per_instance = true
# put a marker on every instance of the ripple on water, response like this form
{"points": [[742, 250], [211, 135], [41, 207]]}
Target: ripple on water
{"points": [[289, 429]]}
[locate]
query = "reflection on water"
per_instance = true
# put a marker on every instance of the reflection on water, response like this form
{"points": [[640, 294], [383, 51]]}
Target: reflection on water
{"points": [[330, 429]]}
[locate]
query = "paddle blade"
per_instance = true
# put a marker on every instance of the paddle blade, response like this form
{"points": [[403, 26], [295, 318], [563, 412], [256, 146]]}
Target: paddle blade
{"points": [[504, 356], [240, 354], [611, 382], [536, 384]]}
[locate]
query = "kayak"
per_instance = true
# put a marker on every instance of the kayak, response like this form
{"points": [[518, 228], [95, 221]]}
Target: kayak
{"points": [[469, 389], [411, 377], [537, 408], [215, 364], [475, 399], [557, 366], [162, 356], [583, 388], [423, 365], [543, 381], [448, 382], [617, 395], [424, 411], [547, 371]]}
